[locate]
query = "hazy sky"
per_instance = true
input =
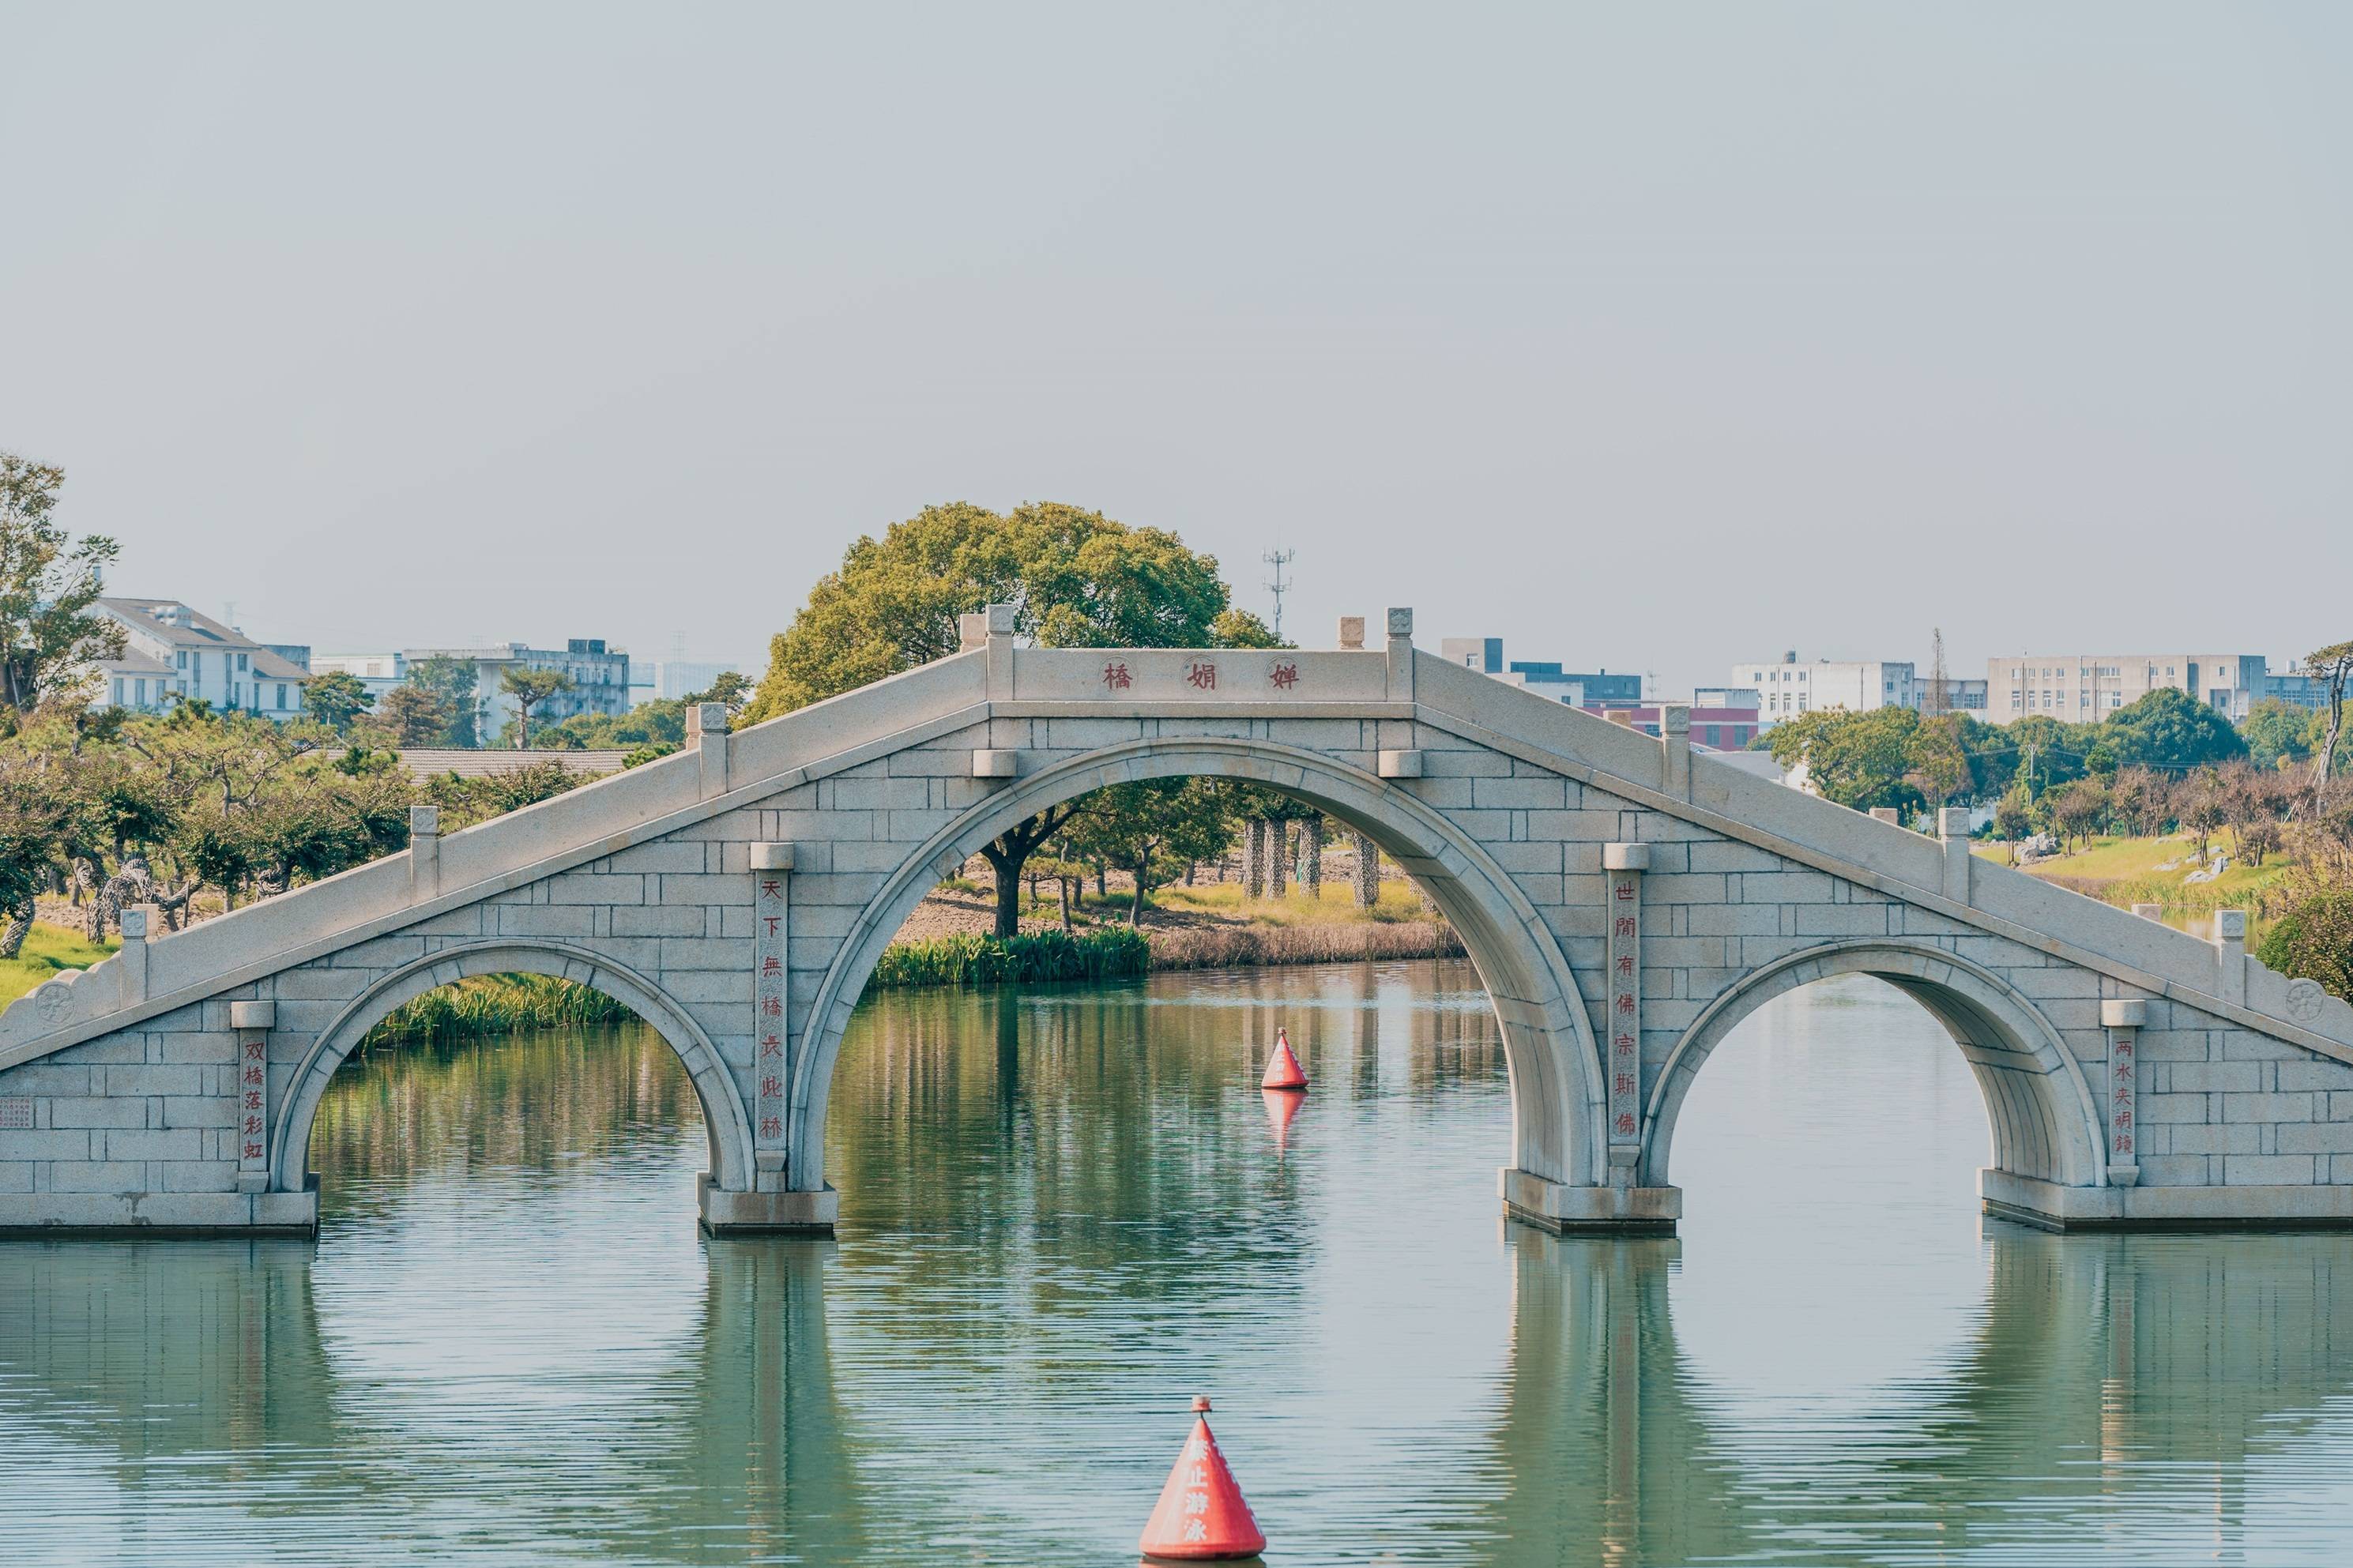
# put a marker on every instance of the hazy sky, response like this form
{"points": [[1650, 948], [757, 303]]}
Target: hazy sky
{"points": [[1644, 336]]}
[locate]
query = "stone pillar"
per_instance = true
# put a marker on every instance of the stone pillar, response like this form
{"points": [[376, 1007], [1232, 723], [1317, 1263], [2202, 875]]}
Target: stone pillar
{"points": [[1623, 865], [972, 632], [2122, 1018], [1953, 828], [1352, 634], [137, 921], [1000, 652], [424, 852], [2231, 954], [706, 735], [1368, 871], [1674, 735], [253, 1021], [1400, 647], [772, 1032], [1253, 858], [1277, 850]]}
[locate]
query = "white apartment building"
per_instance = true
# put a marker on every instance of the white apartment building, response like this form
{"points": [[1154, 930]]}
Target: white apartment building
{"points": [[1786, 688], [2080, 688], [170, 652]]}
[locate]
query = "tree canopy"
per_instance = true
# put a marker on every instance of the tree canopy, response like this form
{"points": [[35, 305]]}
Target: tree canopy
{"points": [[1075, 579], [2170, 730], [47, 583]]}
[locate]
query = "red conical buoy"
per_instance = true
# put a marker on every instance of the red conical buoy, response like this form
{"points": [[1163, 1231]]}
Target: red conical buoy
{"points": [[1281, 1108], [1202, 1512], [1282, 1069]]}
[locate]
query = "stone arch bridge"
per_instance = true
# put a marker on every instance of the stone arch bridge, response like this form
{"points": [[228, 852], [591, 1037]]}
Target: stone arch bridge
{"points": [[1625, 902]]}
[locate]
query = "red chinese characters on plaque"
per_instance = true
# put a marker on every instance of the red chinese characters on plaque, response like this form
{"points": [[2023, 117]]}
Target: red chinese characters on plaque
{"points": [[770, 922], [2120, 1097], [1115, 677], [1283, 675], [1201, 675], [1625, 1008]]}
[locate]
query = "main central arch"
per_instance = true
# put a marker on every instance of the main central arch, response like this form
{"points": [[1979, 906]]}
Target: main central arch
{"points": [[1557, 1104]]}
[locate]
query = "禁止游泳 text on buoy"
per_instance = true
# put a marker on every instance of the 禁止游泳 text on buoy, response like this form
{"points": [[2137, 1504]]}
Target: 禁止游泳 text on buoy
{"points": [[1201, 1514], [1282, 1069]]}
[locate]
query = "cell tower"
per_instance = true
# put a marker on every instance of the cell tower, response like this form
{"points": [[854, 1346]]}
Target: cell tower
{"points": [[1279, 559], [1940, 698]]}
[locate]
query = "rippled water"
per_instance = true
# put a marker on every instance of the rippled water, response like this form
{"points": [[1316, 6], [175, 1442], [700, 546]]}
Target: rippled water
{"points": [[1066, 1212]]}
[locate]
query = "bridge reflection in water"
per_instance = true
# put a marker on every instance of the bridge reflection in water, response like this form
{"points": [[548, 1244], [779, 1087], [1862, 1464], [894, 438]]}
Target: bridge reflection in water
{"points": [[437, 1379]]}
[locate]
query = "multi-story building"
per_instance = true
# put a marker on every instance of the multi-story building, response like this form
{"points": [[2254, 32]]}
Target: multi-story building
{"points": [[658, 679], [379, 672], [2081, 688], [173, 654], [1598, 690], [600, 678], [2298, 686], [1716, 726], [1786, 688]]}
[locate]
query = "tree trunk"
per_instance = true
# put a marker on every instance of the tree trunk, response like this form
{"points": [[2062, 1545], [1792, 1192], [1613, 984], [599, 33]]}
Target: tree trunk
{"points": [[1253, 862], [1310, 856], [1368, 872], [20, 925], [1062, 887], [1103, 886], [1135, 909], [1276, 845]]}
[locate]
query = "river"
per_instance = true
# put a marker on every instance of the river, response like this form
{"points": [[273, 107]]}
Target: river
{"points": [[1065, 1212]]}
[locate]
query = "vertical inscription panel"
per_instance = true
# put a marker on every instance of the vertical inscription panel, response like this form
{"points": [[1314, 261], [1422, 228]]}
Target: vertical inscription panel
{"points": [[1624, 865], [771, 1013]]}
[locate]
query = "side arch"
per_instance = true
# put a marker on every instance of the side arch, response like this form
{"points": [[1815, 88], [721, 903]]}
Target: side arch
{"points": [[724, 1121], [2044, 1121], [1557, 1104]]}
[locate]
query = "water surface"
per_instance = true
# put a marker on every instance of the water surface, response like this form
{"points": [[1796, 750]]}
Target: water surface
{"points": [[1065, 1212]]}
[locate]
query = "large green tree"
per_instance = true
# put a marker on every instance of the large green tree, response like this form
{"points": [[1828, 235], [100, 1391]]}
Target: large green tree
{"points": [[529, 689], [47, 583], [457, 683], [1075, 579], [335, 699], [2275, 733], [2170, 730]]}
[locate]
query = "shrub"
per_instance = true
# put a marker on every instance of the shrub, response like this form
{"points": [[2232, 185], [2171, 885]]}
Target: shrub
{"points": [[1112, 952], [2315, 940], [494, 1005]]}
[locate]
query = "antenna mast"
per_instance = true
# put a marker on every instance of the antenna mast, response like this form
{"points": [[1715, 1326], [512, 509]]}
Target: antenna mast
{"points": [[1939, 691], [1279, 559]]}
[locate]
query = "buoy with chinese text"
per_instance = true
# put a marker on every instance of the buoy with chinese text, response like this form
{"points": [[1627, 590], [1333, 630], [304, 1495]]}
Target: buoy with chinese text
{"points": [[1282, 1069], [1201, 1515]]}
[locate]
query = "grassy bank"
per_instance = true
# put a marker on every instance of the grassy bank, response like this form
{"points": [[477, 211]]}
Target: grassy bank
{"points": [[1117, 952], [495, 1004], [2127, 871], [48, 949]]}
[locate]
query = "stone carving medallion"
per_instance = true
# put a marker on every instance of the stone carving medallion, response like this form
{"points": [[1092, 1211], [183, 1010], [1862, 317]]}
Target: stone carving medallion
{"points": [[2303, 1000], [52, 1002]]}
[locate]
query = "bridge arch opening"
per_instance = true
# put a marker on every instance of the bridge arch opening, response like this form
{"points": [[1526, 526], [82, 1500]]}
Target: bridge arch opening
{"points": [[726, 1125], [1547, 1041], [2042, 1120]]}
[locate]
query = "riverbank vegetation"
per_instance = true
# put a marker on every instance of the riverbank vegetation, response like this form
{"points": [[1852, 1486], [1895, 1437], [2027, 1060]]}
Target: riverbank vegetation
{"points": [[2163, 802]]}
